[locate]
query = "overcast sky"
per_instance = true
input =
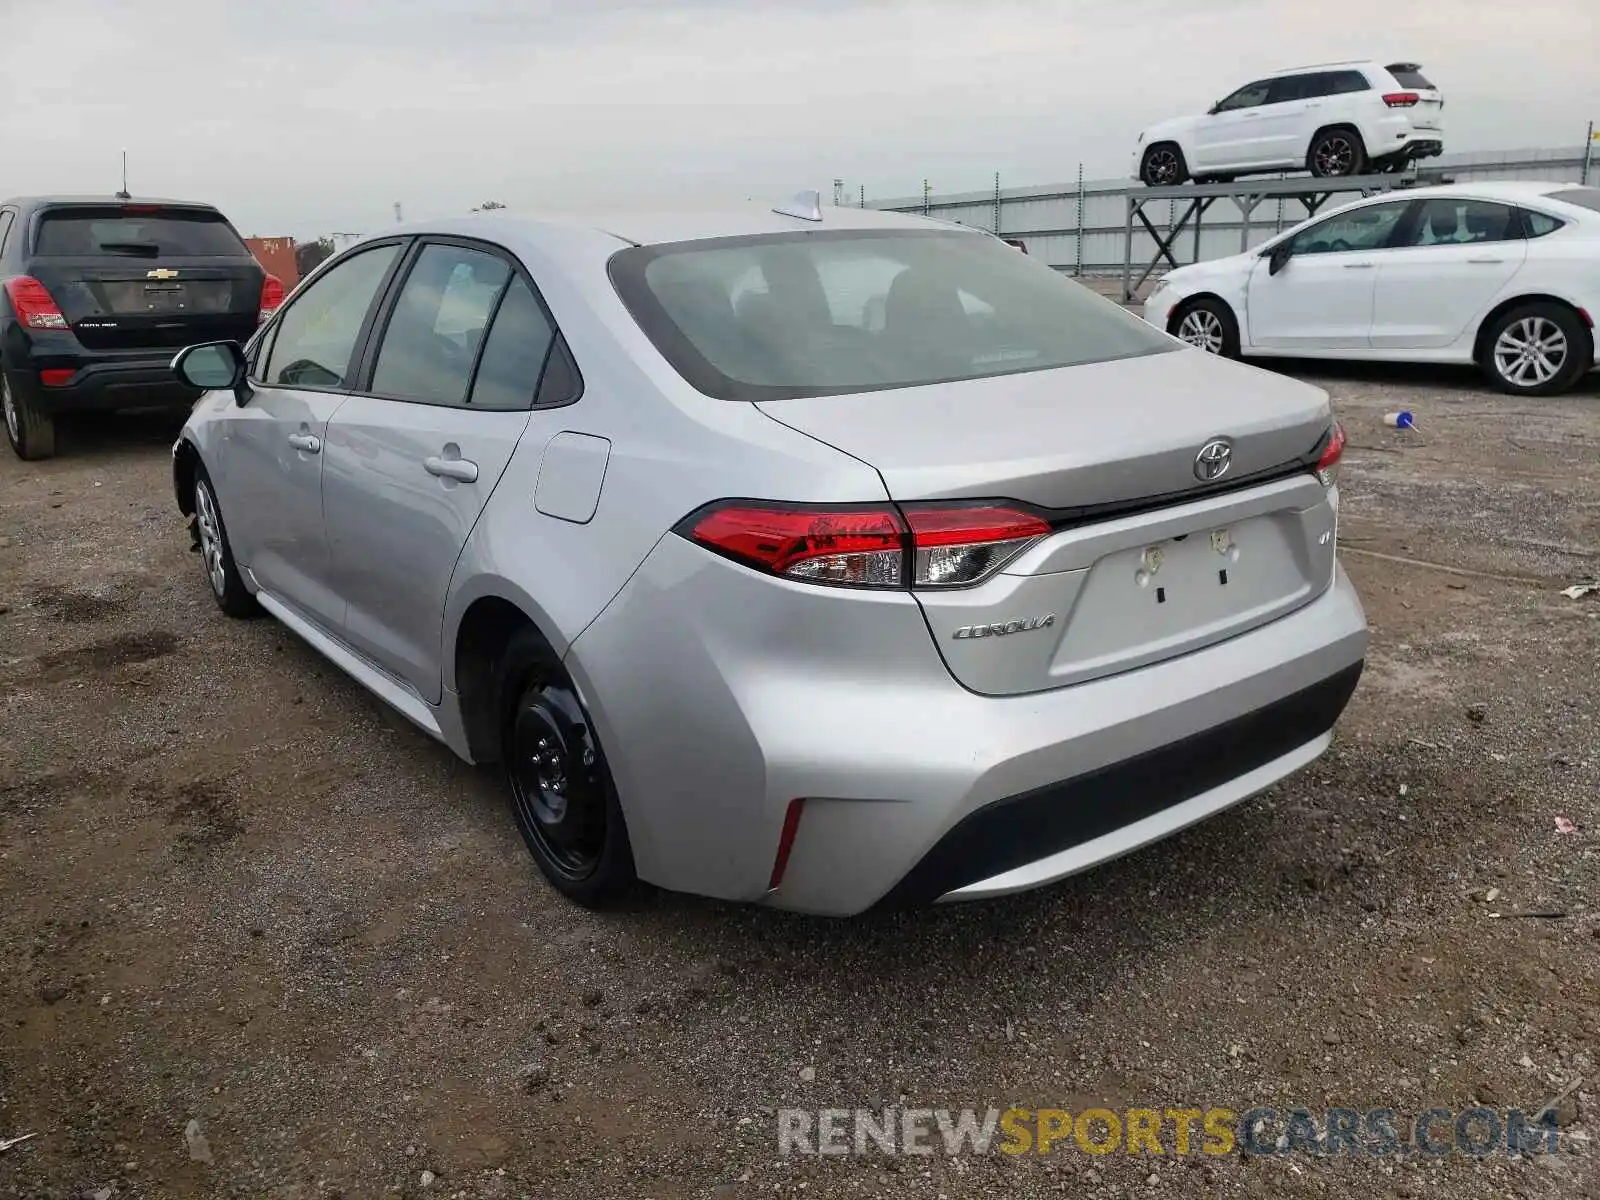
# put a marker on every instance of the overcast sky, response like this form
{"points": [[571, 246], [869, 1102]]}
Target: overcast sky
{"points": [[309, 116]]}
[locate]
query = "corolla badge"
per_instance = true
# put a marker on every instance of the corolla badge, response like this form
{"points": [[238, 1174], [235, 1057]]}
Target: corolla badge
{"points": [[1002, 628]]}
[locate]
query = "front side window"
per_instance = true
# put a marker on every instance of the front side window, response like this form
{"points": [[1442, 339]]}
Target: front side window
{"points": [[784, 315], [314, 339], [1249, 96], [1449, 221], [1366, 228], [440, 317]]}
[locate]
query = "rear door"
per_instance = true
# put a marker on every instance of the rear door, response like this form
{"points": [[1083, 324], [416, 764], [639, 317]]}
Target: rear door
{"points": [[146, 277], [1323, 297], [1459, 255], [268, 463], [447, 392], [1285, 127]]}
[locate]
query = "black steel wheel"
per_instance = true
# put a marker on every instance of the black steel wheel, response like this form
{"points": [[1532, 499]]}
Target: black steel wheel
{"points": [[1163, 166], [1336, 153], [562, 797]]}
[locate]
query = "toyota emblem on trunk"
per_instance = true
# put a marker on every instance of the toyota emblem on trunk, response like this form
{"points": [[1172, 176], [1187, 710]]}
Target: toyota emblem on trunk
{"points": [[1213, 461]]}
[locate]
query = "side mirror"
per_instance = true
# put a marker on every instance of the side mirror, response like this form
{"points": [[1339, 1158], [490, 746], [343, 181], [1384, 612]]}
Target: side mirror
{"points": [[1214, 109], [1279, 258], [213, 367]]}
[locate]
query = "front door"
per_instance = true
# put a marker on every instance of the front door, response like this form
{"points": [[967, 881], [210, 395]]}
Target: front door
{"points": [[412, 461], [1459, 257], [1322, 299], [1229, 135], [269, 474]]}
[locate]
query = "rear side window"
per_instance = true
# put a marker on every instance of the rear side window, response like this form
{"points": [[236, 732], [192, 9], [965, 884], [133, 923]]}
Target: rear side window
{"points": [[1448, 221], [1409, 75], [164, 233], [439, 320], [1294, 87], [1343, 82], [1538, 224], [6, 218], [513, 353], [825, 313]]}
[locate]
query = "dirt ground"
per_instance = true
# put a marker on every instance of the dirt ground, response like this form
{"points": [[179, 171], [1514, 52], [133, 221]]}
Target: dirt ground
{"points": [[237, 891]]}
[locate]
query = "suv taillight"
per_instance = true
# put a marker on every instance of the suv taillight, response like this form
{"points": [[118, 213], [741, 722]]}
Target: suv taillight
{"points": [[1401, 99], [33, 304], [271, 298], [1328, 464], [872, 546]]}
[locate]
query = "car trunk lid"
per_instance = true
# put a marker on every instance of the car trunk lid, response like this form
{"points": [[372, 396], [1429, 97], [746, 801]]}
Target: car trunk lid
{"points": [[1146, 560]]}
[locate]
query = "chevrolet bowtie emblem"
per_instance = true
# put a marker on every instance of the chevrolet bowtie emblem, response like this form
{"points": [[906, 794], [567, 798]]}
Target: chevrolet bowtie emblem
{"points": [[161, 273]]}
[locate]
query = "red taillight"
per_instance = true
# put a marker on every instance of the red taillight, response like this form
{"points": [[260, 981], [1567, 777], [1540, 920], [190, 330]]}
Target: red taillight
{"points": [[1328, 464], [864, 547], [961, 545], [921, 545], [141, 208], [271, 297], [1401, 99], [33, 304], [56, 376], [791, 826]]}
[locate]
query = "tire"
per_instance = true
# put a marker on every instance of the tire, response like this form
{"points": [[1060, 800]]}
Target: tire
{"points": [[31, 432], [216, 554], [1163, 166], [1337, 153], [1536, 349], [561, 794], [1207, 324]]}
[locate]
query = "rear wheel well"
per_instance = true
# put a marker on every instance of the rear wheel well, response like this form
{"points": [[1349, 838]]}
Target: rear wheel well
{"points": [[1361, 139], [185, 469], [487, 628], [1505, 306]]}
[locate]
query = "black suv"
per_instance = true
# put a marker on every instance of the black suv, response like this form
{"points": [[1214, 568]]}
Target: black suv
{"points": [[98, 294]]}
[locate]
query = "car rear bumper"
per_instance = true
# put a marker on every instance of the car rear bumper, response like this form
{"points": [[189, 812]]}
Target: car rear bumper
{"points": [[106, 384], [721, 696]]}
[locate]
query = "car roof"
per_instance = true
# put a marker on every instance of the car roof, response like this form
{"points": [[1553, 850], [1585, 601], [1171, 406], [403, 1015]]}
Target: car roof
{"points": [[105, 202], [659, 226], [1509, 190]]}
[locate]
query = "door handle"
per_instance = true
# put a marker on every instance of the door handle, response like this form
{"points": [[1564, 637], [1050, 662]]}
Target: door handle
{"points": [[1363, 266], [1477, 261], [460, 469], [309, 442]]}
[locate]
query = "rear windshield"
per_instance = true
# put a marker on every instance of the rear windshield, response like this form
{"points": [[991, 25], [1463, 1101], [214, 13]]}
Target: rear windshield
{"points": [[1583, 197], [811, 314], [1410, 76], [168, 233]]}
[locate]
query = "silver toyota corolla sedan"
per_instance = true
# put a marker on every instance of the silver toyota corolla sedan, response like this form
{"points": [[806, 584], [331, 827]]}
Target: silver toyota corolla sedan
{"points": [[824, 558]]}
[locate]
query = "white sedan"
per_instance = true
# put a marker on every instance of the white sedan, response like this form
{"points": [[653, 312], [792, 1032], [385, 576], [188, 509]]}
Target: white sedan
{"points": [[1504, 275]]}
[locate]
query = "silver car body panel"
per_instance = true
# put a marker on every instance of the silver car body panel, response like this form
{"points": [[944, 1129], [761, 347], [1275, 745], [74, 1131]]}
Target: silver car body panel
{"points": [[721, 693]]}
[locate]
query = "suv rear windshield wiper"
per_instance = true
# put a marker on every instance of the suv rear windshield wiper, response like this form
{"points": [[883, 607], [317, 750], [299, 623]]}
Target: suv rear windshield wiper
{"points": [[150, 248]]}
